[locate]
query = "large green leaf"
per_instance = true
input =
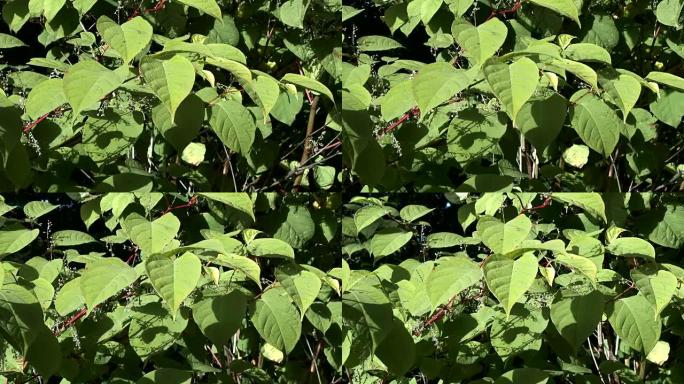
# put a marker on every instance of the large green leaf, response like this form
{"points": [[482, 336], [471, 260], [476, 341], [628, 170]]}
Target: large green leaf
{"points": [[368, 312], [436, 83], [166, 376], [567, 8], [276, 319], [633, 319], [220, 316], [512, 84], [209, 7], [170, 79], [234, 125], [45, 98], [152, 237], [397, 351], [657, 285], [14, 239], [450, 277], [387, 241], [127, 39], [631, 247], [303, 286], [503, 238], [596, 123], [152, 329], [624, 90], [268, 247], [541, 119], [87, 82], [104, 278], [174, 278], [592, 203], [576, 315], [239, 201], [481, 42], [509, 279], [308, 83]]}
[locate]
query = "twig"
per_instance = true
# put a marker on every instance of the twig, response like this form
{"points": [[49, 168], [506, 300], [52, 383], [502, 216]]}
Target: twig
{"points": [[436, 317], [190, 203], [546, 203], [307, 143], [516, 7], [71, 321]]}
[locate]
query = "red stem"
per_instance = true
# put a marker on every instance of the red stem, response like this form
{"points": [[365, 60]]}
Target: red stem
{"points": [[516, 7], [190, 203], [73, 319], [546, 203]]}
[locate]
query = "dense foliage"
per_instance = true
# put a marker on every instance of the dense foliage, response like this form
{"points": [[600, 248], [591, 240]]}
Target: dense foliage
{"points": [[152, 288], [513, 288], [169, 95], [563, 95]]}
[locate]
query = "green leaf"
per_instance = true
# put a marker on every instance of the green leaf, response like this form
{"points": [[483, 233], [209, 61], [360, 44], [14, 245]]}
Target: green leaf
{"points": [[634, 320], [220, 316], [104, 278], [503, 238], [509, 279], [147, 340], [397, 100], [587, 52], [127, 39], [209, 7], [450, 277], [277, 320], [14, 239], [302, 285], [166, 376], [368, 312], [631, 247], [567, 8], [387, 241], [292, 12], [665, 226], [367, 215], [428, 8], [576, 315], [436, 83], [512, 84], [413, 212], [174, 278], [9, 41], [581, 264], [121, 128], [308, 83], [267, 91], [270, 248], [234, 125], [523, 375], [377, 43], [481, 42], [241, 263], [592, 203], [239, 201], [170, 79], [45, 98], [657, 285], [69, 298], [397, 351], [68, 238], [624, 91], [669, 12], [36, 209], [521, 331], [152, 237], [87, 82], [541, 120], [576, 155], [596, 124], [666, 78]]}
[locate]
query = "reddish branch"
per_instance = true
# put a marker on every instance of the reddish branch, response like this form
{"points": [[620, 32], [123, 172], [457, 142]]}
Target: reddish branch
{"points": [[71, 321], [156, 8], [413, 112], [439, 315], [516, 7], [546, 203], [30, 125], [190, 203]]}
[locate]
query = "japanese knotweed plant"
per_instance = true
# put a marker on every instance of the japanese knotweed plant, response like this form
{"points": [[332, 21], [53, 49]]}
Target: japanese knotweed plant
{"points": [[519, 288], [161, 288], [566, 95], [169, 95]]}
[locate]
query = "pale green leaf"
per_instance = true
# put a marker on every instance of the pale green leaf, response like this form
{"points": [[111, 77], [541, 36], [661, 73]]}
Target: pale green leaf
{"points": [[633, 319], [174, 278], [127, 39], [512, 84], [104, 278], [509, 279], [436, 83], [170, 79], [220, 316], [276, 319], [87, 82], [234, 125]]}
